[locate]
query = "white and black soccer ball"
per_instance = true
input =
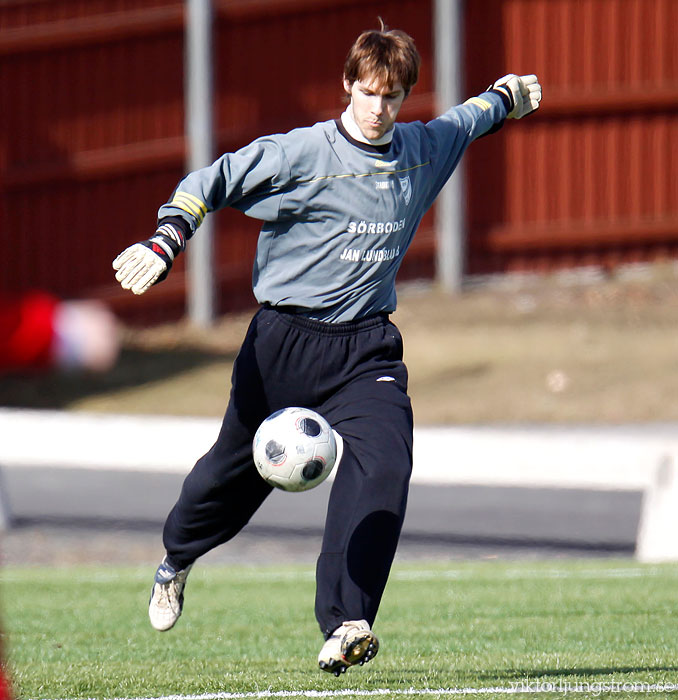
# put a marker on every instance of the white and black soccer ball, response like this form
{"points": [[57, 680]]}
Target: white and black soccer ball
{"points": [[295, 449]]}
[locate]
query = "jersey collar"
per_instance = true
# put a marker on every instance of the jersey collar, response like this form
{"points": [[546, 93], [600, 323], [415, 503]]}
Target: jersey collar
{"points": [[368, 147]]}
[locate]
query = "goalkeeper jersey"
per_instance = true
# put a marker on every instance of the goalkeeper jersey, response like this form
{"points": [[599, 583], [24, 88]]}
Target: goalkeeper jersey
{"points": [[338, 215]]}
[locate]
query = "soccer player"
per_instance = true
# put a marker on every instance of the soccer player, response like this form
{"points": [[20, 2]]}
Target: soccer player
{"points": [[340, 203]]}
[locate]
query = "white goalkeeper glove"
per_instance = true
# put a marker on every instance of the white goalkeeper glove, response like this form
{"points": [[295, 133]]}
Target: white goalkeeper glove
{"points": [[524, 91], [144, 264]]}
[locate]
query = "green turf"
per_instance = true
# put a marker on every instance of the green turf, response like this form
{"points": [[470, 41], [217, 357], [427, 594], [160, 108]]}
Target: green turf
{"points": [[83, 632]]}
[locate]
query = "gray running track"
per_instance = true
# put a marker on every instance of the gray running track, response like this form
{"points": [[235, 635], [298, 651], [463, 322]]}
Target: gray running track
{"points": [[77, 506]]}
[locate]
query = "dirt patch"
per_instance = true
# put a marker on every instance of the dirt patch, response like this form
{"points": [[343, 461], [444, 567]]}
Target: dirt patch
{"points": [[579, 347]]}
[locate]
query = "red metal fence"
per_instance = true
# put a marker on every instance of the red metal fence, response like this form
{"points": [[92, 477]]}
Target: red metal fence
{"points": [[92, 129], [592, 178], [92, 137]]}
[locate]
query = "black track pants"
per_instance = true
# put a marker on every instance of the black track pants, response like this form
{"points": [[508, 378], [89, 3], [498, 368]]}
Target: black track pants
{"points": [[351, 373]]}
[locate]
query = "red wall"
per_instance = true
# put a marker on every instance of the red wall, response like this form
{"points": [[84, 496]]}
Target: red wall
{"points": [[592, 178]]}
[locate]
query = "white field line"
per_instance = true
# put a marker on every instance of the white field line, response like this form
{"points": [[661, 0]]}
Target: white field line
{"points": [[517, 688]]}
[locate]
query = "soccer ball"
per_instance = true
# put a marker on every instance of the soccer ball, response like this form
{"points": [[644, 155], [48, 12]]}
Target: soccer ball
{"points": [[295, 449]]}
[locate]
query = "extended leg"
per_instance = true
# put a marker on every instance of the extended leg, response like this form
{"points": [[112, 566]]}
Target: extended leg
{"points": [[367, 504]]}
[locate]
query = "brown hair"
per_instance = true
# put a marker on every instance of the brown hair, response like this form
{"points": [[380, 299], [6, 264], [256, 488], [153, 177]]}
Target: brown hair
{"points": [[388, 56]]}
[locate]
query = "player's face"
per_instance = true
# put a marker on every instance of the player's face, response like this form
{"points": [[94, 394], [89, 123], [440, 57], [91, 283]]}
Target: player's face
{"points": [[375, 107]]}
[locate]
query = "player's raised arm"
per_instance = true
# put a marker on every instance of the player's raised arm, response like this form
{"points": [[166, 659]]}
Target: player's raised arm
{"points": [[520, 95], [250, 179], [450, 134]]}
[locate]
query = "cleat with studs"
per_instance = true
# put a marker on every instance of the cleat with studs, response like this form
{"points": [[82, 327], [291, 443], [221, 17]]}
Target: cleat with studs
{"points": [[353, 643], [167, 596]]}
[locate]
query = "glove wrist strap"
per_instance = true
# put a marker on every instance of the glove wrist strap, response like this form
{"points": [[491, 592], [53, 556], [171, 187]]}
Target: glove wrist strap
{"points": [[169, 239], [506, 97]]}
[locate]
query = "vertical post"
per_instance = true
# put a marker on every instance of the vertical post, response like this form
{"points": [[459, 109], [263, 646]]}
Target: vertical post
{"points": [[449, 84], [656, 539], [200, 152], [5, 511]]}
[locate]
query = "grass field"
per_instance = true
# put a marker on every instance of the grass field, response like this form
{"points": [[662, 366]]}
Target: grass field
{"points": [[485, 629]]}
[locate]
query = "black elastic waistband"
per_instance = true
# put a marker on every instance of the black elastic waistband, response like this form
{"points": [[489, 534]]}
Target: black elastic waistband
{"points": [[293, 317]]}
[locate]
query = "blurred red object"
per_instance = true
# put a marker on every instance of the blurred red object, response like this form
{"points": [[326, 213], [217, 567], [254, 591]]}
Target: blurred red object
{"points": [[39, 331], [5, 692]]}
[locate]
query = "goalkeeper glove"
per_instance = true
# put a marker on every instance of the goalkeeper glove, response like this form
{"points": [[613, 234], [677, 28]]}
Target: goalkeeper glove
{"points": [[524, 91], [146, 263]]}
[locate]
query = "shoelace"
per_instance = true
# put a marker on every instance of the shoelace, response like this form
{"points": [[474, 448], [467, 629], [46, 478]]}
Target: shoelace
{"points": [[165, 597]]}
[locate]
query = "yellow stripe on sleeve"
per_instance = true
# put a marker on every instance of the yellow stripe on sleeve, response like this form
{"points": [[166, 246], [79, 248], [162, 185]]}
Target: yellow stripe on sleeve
{"points": [[190, 205], [478, 102], [179, 205], [191, 198]]}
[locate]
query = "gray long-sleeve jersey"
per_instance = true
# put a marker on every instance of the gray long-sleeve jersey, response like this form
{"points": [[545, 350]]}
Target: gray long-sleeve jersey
{"points": [[338, 217]]}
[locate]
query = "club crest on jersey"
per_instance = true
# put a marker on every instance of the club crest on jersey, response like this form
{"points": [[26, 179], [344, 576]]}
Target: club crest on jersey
{"points": [[406, 187]]}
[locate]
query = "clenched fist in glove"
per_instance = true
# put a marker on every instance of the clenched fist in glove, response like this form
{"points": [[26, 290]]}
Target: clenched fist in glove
{"points": [[524, 91], [144, 264]]}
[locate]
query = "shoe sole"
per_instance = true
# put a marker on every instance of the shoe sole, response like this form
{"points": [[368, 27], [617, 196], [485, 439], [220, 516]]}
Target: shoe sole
{"points": [[362, 647]]}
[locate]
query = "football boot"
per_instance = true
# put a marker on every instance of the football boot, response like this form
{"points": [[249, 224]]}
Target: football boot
{"points": [[167, 596], [350, 644]]}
